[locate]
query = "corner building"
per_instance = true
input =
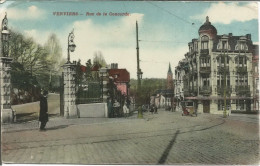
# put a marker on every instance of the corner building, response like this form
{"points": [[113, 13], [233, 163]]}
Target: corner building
{"points": [[216, 68]]}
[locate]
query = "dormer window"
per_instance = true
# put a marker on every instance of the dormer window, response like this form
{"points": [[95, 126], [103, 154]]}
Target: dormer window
{"points": [[204, 42], [241, 44], [223, 45]]}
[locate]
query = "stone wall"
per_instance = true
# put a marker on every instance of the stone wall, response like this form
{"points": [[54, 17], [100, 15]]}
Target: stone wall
{"points": [[96, 110]]}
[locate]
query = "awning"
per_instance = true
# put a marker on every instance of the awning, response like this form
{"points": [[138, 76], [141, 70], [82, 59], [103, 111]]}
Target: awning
{"points": [[217, 98]]}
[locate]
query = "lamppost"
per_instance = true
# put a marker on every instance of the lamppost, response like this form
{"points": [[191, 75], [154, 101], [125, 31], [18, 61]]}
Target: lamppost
{"points": [[71, 44], [5, 36], [69, 81], [7, 114]]}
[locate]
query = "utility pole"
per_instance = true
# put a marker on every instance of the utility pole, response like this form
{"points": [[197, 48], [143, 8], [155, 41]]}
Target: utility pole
{"points": [[225, 86], [138, 65]]}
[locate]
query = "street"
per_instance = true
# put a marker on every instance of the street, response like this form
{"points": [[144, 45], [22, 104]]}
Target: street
{"points": [[163, 138]]}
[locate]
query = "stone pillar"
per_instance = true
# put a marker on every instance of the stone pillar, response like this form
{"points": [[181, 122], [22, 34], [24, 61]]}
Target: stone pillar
{"points": [[69, 72], [104, 78], [214, 107], [200, 107], [233, 105], [5, 85]]}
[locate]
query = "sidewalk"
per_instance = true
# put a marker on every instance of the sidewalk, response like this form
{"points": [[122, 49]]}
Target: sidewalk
{"points": [[59, 122]]}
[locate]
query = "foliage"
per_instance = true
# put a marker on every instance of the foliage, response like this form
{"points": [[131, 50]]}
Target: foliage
{"points": [[148, 87], [34, 66], [99, 59]]}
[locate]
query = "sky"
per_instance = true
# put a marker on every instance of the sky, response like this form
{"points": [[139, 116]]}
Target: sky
{"points": [[165, 28]]}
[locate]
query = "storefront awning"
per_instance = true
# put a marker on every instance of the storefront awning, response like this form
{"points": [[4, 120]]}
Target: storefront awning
{"points": [[217, 98]]}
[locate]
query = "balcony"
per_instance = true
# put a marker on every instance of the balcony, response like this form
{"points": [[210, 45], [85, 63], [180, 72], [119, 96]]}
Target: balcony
{"points": [[194, 91], [204, 51], [186, 92], [205, 90], [222, 69], [242, 90], [241, 70], [205, 70], [220, 90]]}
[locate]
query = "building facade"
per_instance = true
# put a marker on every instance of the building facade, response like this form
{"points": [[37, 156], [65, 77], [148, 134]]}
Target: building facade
{"points": [[217, 71]]}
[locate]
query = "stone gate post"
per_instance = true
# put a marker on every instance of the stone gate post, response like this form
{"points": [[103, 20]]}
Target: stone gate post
{"points": [[103, 74], [69, 72], [7, 114], [5, 84]]}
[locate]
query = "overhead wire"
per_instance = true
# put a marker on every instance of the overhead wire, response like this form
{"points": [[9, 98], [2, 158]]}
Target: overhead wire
{"points": [[171, 13]]}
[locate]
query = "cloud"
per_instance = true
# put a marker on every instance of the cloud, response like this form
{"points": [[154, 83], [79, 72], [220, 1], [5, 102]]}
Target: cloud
{"points": [[116, 40], [40, 36], [31, 13], [226, 13], [3, 8]]}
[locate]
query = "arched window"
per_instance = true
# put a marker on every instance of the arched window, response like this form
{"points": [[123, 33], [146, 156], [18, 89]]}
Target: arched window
{"points": [[204, 42]]}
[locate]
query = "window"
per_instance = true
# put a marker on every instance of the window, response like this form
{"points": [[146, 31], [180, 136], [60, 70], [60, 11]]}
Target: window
{"points": [[205, 62], [241, 45], [242, 80], [204, 42], [241, 61], [224, 44], [221, 80], [205, 81]]}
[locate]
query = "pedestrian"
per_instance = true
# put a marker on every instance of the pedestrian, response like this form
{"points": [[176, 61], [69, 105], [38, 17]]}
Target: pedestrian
{"points": [[152, 109], [43, 118], [155, 110], [126, 110], [116, 106], [109, 107]]}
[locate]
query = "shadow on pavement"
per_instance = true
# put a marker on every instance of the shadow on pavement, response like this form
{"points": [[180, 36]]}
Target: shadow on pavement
{"points": [[25, 117], [57, 127], [168, 149]]}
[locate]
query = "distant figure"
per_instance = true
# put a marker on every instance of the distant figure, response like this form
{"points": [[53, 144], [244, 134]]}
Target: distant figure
{"points": [[43, 118], [109, 107], [116, 106], [152, 109], [126, 110], [155, 110]]}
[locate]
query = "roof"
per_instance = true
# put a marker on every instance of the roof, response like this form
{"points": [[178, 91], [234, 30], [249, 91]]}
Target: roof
{"points": [[120, 75], [170, 69], [232, 41], [95, 67], [83, 68], [208, 27]]}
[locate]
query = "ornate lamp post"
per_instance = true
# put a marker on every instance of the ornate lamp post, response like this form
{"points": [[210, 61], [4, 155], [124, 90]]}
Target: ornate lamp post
{"points": [[5, 36], [71, 44], [5, 77], [69, 71]]}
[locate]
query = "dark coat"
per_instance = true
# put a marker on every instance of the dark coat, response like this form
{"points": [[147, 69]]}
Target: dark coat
{"points": [[43, 109]]}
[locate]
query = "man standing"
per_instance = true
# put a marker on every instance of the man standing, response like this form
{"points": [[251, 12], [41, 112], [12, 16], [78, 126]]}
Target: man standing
{"points": [[43, 118]]}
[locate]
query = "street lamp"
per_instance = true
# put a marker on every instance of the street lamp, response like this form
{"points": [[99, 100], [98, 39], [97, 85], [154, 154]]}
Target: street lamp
{"points": [[71, 44], [5, 36]]}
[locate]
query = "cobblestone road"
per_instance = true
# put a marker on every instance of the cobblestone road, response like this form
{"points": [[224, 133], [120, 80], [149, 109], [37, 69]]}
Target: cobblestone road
{"points": [[164, 138]]}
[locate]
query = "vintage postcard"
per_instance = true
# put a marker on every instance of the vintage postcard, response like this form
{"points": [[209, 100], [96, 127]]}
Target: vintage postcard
{"points": [[129, 82]]}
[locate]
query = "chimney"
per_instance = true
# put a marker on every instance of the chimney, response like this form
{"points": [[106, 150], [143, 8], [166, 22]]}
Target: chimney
{"points": [[114, 66], [230, 34], [248, 36]]}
